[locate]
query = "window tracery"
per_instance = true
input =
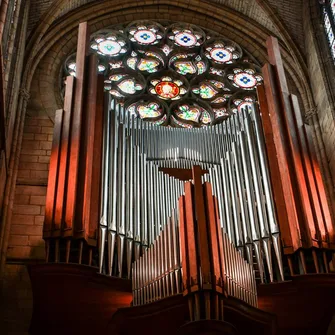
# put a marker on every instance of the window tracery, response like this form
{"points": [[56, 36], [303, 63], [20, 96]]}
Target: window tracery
{"points": [[328, 12], [174, 74]]}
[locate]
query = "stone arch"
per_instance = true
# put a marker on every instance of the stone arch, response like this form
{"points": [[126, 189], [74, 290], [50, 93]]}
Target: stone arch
{"points": [[49, 42]]}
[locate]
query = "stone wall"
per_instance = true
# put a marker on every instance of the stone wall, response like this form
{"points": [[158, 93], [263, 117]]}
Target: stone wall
{"points": [[322, 73]]}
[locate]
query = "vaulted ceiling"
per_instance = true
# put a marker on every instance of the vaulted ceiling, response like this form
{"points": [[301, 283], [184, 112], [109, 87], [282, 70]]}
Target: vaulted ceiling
{"points": [[265, 12]]}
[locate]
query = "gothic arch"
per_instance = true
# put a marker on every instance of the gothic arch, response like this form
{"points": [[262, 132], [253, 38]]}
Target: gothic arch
{"points": [[54, 37]]}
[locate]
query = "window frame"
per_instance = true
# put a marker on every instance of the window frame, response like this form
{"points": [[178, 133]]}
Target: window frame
{"points": [[328, 13]]}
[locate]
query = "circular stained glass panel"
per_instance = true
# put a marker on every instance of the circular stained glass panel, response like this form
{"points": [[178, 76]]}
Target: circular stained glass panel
{"points": [[150, 110], [185, 39], [190, 113], [145, 36], [221, 55], [110, 48], [167, 89], [245, 80]]}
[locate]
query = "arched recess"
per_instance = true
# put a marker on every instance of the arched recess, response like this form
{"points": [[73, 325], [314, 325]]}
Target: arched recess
{"points": [[54, 42]]}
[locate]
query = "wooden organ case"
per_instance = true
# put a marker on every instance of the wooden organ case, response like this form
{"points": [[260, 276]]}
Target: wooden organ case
{"points": [[230, 234]]}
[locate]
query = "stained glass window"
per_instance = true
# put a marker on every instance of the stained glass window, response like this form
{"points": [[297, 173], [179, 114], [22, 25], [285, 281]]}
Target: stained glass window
{"points": [[328, 11], [174, 74]]}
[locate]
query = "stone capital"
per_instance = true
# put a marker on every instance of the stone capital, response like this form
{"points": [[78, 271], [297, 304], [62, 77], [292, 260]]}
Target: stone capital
{"points": [[24, 93], [310, 114]]}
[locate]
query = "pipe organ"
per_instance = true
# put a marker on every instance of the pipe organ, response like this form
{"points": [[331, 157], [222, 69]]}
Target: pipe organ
{"points": [[206, 212], [139, 198]]}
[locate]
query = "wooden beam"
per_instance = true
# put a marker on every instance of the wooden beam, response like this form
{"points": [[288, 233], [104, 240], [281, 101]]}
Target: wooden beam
{"points": [[328, 219], [53, 175], [271, 120], [63, 158], [289, 130], [76, 128], [202, 229], [213, 240], [192, 241], [87, 153], [94, 153], [320, 225], [183, 244]]}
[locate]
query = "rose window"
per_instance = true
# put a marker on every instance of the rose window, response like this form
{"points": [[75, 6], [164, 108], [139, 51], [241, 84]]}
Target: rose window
{"points": [[176, 75]]}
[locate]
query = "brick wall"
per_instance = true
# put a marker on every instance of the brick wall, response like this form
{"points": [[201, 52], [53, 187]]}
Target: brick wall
{"points": [[29, 203]]}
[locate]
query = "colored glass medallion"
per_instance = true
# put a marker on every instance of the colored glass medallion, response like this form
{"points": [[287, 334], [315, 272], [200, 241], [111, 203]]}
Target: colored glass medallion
{"points": [[189, 113], [245, 80], [129, 86], [166, 49], [185, 39], [145, 37], [207, 92], [110, 48], [149, 65], [167, 89], [220, 112], [205, 118], [221, 55], [185, 67], [150, 110], [131, 62], [201, 67]]}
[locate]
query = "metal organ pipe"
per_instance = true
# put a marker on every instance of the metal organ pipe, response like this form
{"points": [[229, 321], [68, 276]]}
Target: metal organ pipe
{"points": [[139, 209]]}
